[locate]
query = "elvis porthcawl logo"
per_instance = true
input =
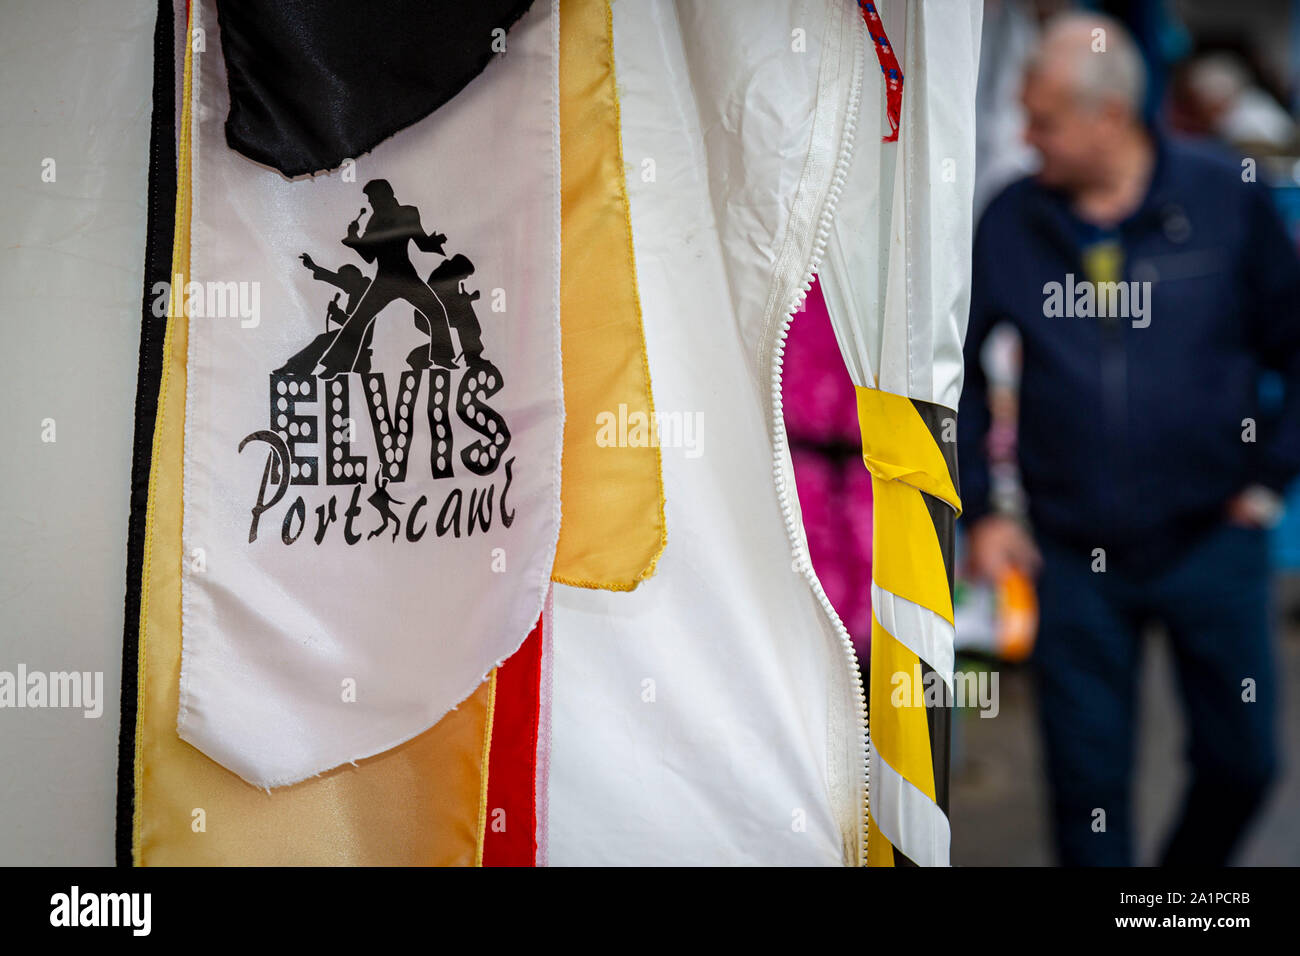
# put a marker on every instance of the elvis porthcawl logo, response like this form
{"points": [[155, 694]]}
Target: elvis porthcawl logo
{"points": [[312, 434]]}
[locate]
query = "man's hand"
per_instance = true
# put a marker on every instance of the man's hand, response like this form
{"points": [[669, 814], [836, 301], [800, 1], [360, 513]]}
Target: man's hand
{"points": [[354, 227], [306, 260], [998, 544], [1255, 507]]}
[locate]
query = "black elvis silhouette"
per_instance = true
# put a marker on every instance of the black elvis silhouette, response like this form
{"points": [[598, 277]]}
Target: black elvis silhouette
{"points": [[448, 284], [350, 281], [389, 231], [383, 502]]}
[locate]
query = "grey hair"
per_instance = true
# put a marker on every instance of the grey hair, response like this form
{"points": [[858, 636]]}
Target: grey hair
{"points": [[1116, 71]]}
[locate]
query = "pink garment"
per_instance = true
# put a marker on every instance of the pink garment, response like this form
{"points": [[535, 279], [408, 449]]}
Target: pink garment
{"points": [[834, 486]]}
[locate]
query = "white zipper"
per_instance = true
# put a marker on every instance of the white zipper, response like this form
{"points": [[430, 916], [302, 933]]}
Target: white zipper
{"points": [[780, 440]]}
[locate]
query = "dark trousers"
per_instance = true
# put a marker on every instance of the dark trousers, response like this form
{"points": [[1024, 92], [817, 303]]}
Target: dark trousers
{"points": [[384, 290], [1214, 602]]}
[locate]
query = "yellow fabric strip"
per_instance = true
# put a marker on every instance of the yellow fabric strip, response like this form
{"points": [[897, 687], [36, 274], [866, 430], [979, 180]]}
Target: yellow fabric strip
{"points": [[416, 804], [897, 445], [612, 495], [880, 852], [900, 731], [905, 553], [480, 833]]}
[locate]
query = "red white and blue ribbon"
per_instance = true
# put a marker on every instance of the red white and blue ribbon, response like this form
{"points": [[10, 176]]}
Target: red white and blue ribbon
{"points": [[888, 66]]}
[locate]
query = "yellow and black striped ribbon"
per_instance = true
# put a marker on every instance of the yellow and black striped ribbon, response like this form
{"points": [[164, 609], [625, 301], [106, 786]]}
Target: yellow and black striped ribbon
{"points": [[909, 446]]}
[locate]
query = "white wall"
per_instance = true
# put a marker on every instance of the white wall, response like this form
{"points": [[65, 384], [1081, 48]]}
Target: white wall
{"points": [[75, 86]]}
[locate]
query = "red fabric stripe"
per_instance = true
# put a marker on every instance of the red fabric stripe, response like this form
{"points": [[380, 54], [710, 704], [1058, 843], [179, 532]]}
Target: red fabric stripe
{"points": [[888, 66], [510, 825]]}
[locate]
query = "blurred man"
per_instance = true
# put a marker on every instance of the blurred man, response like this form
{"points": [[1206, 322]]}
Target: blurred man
{"points": [[1150, 284]]}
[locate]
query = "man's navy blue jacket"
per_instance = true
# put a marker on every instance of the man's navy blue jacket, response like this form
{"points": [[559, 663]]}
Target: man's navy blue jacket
{"points": [[1131, 438]]}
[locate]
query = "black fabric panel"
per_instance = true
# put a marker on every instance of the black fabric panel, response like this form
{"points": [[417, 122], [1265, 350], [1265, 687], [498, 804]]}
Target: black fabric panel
{"points": [[934, 416], [901, 861], [944, 520], [939, 720], [157, 268], [315, 82]]}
